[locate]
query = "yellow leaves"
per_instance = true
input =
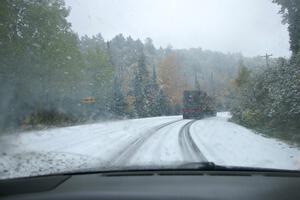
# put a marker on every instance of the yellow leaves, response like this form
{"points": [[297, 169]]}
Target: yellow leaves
{"points": [[88, 100], [171, 78]]}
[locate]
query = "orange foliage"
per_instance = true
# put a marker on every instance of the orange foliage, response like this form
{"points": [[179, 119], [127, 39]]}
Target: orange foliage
{"points": [[172, 78]]}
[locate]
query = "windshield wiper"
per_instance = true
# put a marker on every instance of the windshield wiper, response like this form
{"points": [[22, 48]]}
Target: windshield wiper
{"points": [[211, 166], [199, 165], [189, 167]]}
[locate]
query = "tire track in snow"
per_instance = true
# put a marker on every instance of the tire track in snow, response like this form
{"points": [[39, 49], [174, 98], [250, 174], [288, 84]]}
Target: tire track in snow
{"points": [[160, 148], [189, 148], [124, 155]]}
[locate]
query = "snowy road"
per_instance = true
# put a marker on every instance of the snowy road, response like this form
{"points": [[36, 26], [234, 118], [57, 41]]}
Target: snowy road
{"points": [[189, 148], [149, 141]]}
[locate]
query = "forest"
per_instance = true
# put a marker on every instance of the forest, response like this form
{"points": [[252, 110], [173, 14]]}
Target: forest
{"points": [[50, 76]]}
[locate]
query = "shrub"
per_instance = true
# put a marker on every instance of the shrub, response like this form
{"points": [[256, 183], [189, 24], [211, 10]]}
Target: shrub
{"points": [[47, 118]]}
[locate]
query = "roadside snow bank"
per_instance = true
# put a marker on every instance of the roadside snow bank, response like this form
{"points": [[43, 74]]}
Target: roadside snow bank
{"points": [[224, 115], [227, 143]]}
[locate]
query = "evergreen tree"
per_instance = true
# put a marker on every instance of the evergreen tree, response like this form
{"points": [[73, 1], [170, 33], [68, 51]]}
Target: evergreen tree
{"points": [[118, 105], [140, 86], [152, 94], [163, 104]]}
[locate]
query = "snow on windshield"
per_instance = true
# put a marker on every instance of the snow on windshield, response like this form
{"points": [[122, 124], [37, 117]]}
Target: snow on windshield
{"points": [[99, 85]]}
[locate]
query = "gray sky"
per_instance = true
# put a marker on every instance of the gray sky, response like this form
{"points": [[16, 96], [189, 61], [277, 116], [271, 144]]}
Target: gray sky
{"points": [[251, 27]]}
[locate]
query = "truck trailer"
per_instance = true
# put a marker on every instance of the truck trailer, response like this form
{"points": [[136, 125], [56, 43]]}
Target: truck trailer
{"points": [[197, 104]]}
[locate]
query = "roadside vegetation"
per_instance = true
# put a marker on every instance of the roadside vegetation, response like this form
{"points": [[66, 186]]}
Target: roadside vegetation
{"points": [[268, 99]]}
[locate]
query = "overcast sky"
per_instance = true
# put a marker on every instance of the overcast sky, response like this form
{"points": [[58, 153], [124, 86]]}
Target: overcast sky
{"points": [[251, 27]]}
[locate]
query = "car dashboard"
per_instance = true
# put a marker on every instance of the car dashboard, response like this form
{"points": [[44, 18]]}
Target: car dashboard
{"points": [[152, 185]]}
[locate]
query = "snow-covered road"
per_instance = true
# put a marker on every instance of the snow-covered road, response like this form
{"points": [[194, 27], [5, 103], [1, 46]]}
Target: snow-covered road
{"points": [[148, 141]]}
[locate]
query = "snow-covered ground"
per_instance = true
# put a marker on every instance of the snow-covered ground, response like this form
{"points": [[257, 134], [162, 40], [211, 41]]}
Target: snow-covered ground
{"points": [[227, 143], [139, 142]]}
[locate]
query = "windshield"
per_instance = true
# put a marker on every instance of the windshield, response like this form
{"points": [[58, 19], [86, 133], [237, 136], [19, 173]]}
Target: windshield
{"points": [[148, 84]]}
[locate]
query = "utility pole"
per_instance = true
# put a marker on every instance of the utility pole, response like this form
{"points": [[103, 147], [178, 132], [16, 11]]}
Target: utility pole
{"points": [[196, 83], [267, 56]]}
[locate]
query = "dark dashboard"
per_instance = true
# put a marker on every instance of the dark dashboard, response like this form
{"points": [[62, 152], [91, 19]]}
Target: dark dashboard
{"points": [[212, 185]]}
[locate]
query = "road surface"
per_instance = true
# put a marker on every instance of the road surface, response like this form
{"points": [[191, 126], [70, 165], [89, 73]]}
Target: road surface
{"points": [[158, 141]]}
